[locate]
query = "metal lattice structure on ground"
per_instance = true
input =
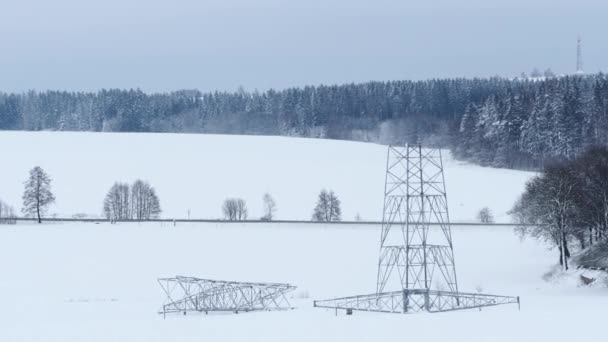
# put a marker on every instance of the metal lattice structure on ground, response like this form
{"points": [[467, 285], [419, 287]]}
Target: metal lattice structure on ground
{"points": [[416, 300], [189, 294], [416, 249]]}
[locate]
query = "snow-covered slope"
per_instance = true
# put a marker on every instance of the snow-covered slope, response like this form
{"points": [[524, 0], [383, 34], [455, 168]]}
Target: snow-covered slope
{"points": [[197, 172]]}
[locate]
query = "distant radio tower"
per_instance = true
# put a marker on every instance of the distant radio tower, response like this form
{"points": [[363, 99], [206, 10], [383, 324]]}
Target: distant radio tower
{"points": [[579, 57]]}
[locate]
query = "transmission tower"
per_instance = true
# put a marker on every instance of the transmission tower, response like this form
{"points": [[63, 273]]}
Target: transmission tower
{"points": [[579, 56], [416, 269], [414, 255]]}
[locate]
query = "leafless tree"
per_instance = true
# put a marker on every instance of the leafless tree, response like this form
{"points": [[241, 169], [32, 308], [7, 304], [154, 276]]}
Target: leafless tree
{"points": [[136, 202], [547, 209], [37, 195], [270, 207], [7, 214], [328, 207], [144, 201], [116, 203], [235, 209], [485, 215]]}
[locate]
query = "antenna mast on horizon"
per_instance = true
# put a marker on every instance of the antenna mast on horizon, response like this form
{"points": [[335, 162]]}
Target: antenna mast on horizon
{"points": [[579, 56]]}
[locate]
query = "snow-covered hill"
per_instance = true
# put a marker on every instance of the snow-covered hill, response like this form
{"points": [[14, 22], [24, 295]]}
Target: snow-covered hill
{"points": [[197, 172]]}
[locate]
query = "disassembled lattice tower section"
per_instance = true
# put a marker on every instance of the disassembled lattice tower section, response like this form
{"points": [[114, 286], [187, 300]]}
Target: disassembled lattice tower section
{"points": [[416, 250], [190, 294]]}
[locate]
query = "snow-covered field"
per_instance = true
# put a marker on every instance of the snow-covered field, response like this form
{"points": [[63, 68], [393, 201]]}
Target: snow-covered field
{"points": [[97, 282], [88, 282], [197, 172]]}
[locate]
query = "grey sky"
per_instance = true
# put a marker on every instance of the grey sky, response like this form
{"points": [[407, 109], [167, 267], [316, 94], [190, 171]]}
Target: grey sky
{"points": [[223, 44]]}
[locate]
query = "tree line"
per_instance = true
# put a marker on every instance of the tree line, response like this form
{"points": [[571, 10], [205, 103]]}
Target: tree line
{"points": [[123, 201], [139, 202], [567, 203], [518, 123]]}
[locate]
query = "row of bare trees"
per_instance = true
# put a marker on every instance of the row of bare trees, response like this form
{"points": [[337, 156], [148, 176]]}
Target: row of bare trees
{"points": [[567, 203], [140, 202], [131, 202], [327, 208], [122, 202], [235, 209]]}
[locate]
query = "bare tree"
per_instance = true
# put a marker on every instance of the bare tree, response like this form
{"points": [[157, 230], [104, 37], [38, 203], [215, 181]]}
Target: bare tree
{"points": [[136, 202], [116, 203], [144, 201], [235, 209], [137, 199], [37, 195], [153, 209], [2, 206], [485, 215], [270, 207], [547, 209], [7, 214], [229, 209], [327, 208]]}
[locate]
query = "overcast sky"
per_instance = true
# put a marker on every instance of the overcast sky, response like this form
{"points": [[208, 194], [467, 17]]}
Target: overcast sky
{"points": [[261, 44]]}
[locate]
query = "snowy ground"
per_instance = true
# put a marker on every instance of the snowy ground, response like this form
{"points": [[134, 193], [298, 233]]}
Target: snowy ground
{"points": [[197, 172], [97, 282], [88, 282]]}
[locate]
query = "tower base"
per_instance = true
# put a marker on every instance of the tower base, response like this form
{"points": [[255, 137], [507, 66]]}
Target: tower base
{"points": [[415, 300]]}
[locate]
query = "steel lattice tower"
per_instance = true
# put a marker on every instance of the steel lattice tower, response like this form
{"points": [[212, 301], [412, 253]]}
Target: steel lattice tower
{"points": [[416, 242], [416, 269]]}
